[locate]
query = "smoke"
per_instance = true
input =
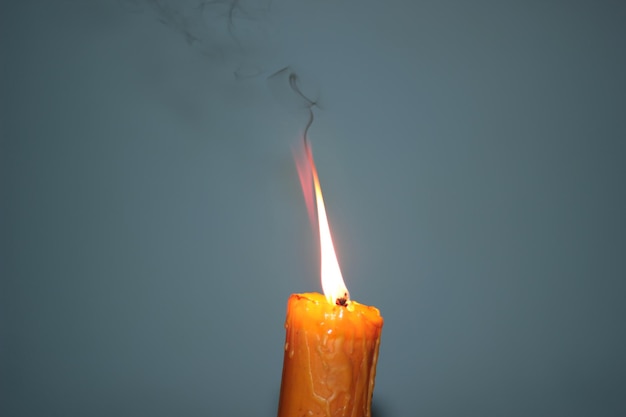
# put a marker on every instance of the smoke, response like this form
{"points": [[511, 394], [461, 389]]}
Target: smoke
{"points": [[229, 32], [233, 41], [285, 86]]}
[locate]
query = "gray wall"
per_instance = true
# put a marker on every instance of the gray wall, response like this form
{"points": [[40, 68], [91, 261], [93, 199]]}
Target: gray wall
{"points": [[472, 156]]}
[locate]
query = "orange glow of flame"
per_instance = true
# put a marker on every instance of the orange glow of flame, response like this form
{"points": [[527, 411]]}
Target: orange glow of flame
{"points": [[332, 281]]}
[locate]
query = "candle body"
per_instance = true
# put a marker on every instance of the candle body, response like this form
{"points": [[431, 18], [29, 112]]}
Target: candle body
{"points": [[330, 358]]}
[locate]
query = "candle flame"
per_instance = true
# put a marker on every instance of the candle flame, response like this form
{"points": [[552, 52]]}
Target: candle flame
{"points": [[332, 281]]}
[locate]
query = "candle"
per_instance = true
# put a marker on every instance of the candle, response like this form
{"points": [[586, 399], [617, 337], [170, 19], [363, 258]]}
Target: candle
{"points": [[330, 358], [331, 346]]}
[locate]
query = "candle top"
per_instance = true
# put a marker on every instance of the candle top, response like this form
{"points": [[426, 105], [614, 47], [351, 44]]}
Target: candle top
{"points": [[317, 309]]}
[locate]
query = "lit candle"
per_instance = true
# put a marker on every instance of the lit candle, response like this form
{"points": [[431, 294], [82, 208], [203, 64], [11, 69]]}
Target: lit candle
{"points": [[331, 348]]}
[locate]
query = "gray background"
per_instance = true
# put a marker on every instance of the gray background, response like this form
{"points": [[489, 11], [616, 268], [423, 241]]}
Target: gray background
{"points": [[152, 225]]}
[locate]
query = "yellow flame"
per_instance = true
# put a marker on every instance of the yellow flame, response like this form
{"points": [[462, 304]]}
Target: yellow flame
{"points": [[332, 281]]}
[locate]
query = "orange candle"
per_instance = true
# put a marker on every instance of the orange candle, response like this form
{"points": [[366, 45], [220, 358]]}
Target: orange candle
{"points": [[332, 342], [330, 358]]}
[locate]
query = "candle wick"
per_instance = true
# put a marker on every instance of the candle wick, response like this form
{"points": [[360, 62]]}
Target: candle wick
{"points": [[342, 301]]}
